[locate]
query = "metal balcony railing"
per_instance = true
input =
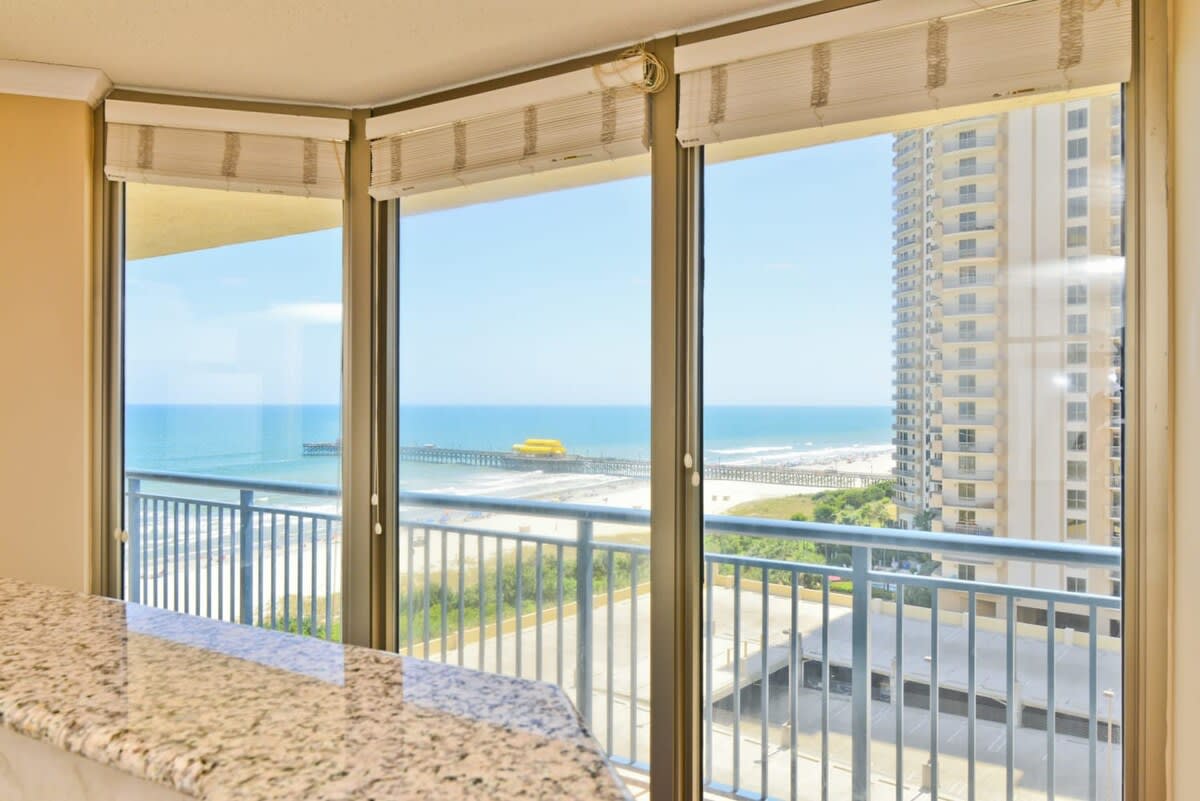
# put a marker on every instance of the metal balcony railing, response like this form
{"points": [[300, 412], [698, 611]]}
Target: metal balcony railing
{"points": [[968, 309], [802, 683], [968, 143], [954, 446], [979, 280], [967, 198]]}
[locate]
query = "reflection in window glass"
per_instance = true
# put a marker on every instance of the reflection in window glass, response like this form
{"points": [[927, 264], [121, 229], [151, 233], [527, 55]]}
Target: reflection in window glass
{"points": [[233, 405], [896, 337]]}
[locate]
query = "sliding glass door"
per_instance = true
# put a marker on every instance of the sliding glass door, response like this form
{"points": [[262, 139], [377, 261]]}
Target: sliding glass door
{"points": [[232, 416]]}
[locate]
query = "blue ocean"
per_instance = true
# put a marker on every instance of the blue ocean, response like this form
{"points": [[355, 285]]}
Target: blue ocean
{"points": [[266, 442]]}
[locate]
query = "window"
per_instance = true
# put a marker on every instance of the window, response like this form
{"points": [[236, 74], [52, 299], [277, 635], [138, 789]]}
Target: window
{"points": [[966, 139], [966, 166], [1076, 584], [1077, 353], [1077, 119], [1077, 411], [966, 572], [981, 437], [1077, 499], [1076, 529], [1076, 382], [1077, 177], [233, 365], [1077, 206], [530, 373], [1077, 148], [1077, 324], [1077, 236]]}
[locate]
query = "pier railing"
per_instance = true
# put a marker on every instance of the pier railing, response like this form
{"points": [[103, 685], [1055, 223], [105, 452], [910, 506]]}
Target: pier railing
{"points": [[835, 676]]}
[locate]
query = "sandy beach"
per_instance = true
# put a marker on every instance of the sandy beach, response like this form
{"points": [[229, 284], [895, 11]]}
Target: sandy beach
{"points": [[719, 495]]}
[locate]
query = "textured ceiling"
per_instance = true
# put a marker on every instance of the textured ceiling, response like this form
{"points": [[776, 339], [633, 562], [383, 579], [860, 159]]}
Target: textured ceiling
{"points": [[342, 52]]}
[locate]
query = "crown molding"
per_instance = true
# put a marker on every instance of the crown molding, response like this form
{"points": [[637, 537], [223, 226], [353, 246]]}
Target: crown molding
{"points": [[53, 80]]}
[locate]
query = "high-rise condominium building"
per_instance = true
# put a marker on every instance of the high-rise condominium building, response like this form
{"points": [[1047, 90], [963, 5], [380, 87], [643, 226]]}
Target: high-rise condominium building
{"points": [[1008, 322]]}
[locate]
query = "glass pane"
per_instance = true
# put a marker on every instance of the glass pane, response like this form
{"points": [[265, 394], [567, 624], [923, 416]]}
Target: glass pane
{"points": [[524, 383], [233, 323], [936, 364]]}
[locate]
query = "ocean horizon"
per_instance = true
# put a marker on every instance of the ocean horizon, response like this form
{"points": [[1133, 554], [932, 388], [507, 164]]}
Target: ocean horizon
{"points": [[266, 441]]}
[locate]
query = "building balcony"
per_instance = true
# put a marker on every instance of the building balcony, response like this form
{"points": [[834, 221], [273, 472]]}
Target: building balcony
{"points": [[956, 201], [969, 503], [954, 173], [969, 528], [954, 446], [955, 474], [955, 227], [952, 391], [968, 254], [956, 145], [969, 364], [955, 282], [954, 337], [968, 309], [592, 632]]}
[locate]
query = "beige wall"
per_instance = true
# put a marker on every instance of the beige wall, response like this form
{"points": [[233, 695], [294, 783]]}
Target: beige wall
{"points": [[45, 318], [1186, 233]]}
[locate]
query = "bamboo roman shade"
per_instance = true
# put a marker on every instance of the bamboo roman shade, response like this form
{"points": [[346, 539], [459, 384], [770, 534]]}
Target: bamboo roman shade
{"points": [[564, 121], [222, 149], [977, 55]]}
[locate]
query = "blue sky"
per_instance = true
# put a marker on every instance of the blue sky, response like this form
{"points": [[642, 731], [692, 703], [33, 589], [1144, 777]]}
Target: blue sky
{"points": [[546, 299]]}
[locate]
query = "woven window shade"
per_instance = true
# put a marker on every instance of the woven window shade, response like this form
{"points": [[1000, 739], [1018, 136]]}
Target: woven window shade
{"points": [[596, 126], [248, 162], [982, 55]]}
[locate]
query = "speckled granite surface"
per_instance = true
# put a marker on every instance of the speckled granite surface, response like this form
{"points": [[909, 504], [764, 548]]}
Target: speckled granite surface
{"points": [[226, 712]]}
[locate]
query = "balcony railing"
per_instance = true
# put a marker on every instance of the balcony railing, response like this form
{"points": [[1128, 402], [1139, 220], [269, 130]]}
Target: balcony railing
{"points": [[954, 446], [962, 254], [969, 503], [953, 336], [968, 364], [968, 309], [967, 198], [803, 685], [956, 391], [979, 280], [950, 173], [968, 475], [955, 145]]}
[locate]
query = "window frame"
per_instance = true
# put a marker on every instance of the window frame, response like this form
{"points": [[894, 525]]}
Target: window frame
{"points": [[1146, 376]]}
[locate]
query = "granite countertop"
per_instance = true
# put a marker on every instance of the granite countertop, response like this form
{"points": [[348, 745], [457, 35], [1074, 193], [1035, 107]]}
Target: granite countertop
{"points": [[225, 712]]}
